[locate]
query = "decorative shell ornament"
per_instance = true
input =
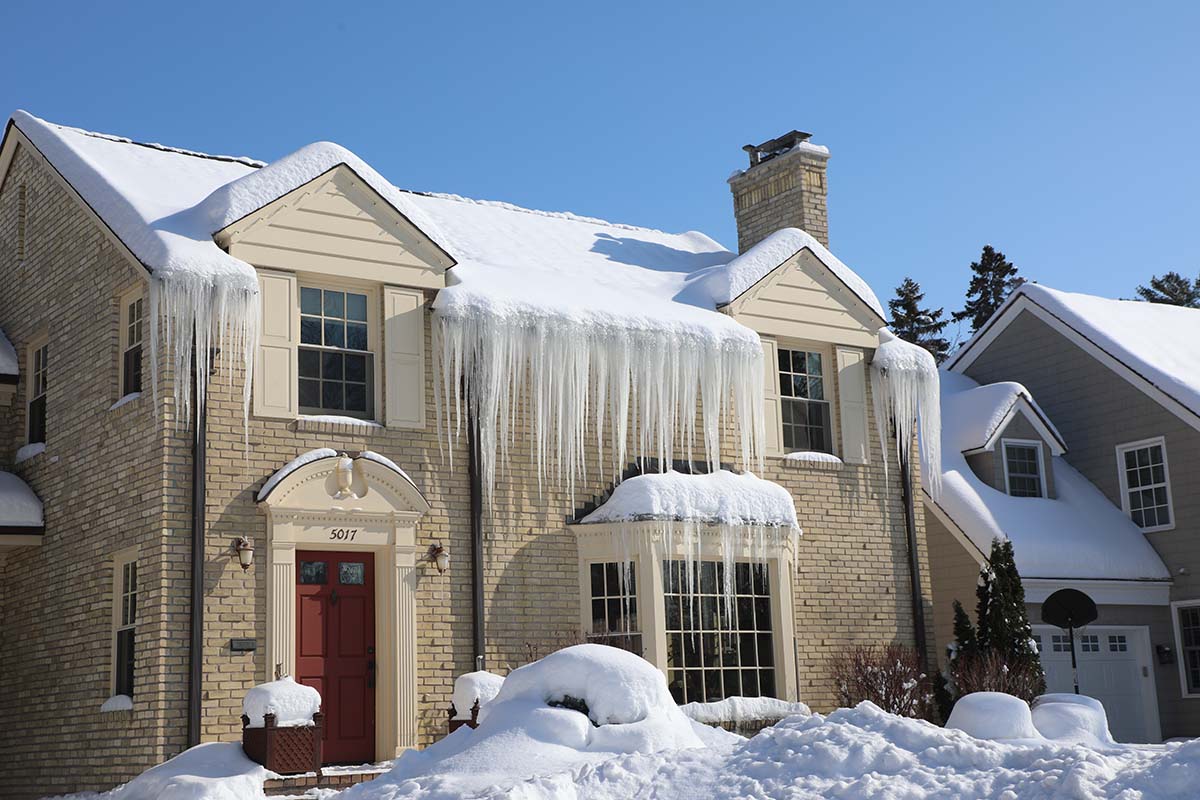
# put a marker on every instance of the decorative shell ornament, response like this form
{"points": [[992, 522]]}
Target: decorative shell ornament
{"points": [[344, 475]]}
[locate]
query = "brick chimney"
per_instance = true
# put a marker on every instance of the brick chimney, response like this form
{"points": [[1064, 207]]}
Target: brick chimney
{"points": [[784, 187]]}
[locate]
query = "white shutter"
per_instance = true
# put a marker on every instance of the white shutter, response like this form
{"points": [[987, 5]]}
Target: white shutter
{"points": [[852, 402], [275, 381], [772, 412], [404, 357]]}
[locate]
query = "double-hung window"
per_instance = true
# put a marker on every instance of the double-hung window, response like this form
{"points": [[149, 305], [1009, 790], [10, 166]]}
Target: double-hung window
{"points": [[804, 405], [39, 364], [1145, 484], [132, 330], [1187, 635], [336, 361], [1024, 475], [125, 592]]}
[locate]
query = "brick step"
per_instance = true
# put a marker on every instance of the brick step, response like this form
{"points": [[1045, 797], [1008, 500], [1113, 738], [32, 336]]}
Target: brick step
{"points": [[299, 784]]}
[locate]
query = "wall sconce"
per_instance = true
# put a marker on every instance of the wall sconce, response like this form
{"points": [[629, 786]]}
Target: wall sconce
{"points": [[245, 552], [439, 557]]}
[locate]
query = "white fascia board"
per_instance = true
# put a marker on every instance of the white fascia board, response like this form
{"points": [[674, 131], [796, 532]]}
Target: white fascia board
{"points": [[1102, 592]]}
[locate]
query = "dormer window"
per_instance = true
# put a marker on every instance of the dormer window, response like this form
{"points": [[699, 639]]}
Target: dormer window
{"points": [[337, 364], [806, 417], [1024, 472]]}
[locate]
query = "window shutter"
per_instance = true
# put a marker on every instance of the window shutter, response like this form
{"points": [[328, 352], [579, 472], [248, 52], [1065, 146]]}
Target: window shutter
{"points": [[275, 379], [852, 402], [404, 356], [773, 415]]}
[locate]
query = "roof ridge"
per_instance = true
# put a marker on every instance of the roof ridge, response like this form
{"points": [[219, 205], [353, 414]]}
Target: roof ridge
{"points": [[250, 162]]}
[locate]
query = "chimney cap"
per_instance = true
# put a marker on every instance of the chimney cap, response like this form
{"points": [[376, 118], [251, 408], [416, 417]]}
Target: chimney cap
{"points": [[775, 147]]}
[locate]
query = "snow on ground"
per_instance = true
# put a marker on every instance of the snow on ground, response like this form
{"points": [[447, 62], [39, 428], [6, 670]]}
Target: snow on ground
{"points": [[719, 497], [212, 771]]}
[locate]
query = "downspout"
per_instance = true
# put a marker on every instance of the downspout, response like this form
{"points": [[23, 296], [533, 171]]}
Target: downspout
{"points": [[914, 563], [196, 647], [476, 480]]}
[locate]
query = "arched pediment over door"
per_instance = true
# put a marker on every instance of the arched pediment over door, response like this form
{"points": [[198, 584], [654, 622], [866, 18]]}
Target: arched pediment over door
{"points": [[329, 501]]}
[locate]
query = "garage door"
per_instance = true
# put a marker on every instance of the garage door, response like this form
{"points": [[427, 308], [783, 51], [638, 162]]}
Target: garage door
{"points": [[1114, 668]]}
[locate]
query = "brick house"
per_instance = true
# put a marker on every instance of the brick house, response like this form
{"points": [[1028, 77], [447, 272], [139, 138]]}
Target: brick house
{"points": [[343, 429], [1074, 420]]}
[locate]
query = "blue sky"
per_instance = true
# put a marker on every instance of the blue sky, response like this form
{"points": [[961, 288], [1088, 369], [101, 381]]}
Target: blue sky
{"points": [[1063, 133]]}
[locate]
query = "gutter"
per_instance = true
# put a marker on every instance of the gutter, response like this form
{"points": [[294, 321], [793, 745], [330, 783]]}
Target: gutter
{"points": [[196, 645], [476, 480], [914, 564]]}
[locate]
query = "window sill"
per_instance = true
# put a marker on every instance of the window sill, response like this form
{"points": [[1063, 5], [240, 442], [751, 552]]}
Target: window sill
{"points": [[330, 423], [807, 459], [1161, 529], [30, 451], [124, 401], [117, 703]]}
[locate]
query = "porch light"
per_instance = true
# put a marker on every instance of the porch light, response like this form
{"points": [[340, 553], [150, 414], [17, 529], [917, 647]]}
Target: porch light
{"points": [[439, 557], [245, 552]]}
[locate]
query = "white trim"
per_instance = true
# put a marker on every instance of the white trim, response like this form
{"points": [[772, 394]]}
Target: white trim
{"points": [[1121, 449], [1183, 684], [334, 283], [1018, 302], [126, 299], [120, 559], [1041, 463], [1035, 417], [1102, 592], [42, 340], [1145, 662]]}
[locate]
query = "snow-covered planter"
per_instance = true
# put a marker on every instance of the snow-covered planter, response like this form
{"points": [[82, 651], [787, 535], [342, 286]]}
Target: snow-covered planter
{"points": [[993, 715], [282, 726], [472, 692]]}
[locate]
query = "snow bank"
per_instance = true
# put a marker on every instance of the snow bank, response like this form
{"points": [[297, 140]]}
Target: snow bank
{"points": [[474, 686], [1072, 718], [213, 771], [906, 394], [8, 357], [1078, 534], [718, 497], [993, 715], [743, 709], [292, 703], [19, 505]]}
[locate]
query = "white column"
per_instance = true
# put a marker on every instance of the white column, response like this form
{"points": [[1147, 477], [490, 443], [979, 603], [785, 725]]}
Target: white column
{"points": [[405, 649], [652, 605], [281, 621]]}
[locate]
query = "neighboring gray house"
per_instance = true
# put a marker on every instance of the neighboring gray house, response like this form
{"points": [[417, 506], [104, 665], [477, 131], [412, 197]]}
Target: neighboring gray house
{"points": [[1120, 381]]}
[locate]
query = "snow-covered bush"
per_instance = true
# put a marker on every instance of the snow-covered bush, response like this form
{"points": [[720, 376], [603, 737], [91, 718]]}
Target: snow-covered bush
{"points": [[890, 677], [993, 715], [292, 703]]}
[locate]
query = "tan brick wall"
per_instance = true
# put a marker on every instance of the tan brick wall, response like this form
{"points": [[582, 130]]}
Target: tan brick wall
{"points": [[101, 478], [787, 191]]}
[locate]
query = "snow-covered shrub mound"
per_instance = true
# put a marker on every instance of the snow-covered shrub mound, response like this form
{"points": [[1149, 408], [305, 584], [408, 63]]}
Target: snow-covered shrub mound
{"points": [[1072, 718], [292, 703], [474, 686], [993, 715], [212, 771]]}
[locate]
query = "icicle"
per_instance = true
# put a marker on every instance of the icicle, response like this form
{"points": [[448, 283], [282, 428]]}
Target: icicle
{"points": [[193, 313], [631, 382], [905, 383]]}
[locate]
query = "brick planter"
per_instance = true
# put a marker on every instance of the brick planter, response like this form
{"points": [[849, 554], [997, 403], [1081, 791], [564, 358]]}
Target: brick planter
{"points": [[285, 751]]}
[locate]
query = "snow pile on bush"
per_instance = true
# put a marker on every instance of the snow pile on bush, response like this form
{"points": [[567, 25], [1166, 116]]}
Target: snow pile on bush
{"points": [[578, 706], [993, 715], [471, 687], [1072, 718], [292, 703]]}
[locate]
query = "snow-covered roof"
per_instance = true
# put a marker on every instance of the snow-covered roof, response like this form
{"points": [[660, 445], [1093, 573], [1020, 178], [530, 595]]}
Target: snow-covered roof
{"points": [[1077, 535], [721, 497], [9, 367], [991, 406], [1155, 340], [19, 505]]}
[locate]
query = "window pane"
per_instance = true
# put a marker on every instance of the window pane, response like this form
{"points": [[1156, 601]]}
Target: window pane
{"points": [[125, 659], [352, 573], [310, 393], [334, 304], [335, 333], [331, 396], [356, 306], [356, 397], [356, 336], [310, 330], [332, 366], [312, 572], [310, 300], [310, 363]]}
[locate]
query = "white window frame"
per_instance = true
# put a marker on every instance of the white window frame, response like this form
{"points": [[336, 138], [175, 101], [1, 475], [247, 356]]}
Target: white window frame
{"points": [[644, 543], [828, 381], [1041, 464], [1176, 607], [585, 585], [120, 560], [127, 299], [1123, 482], [35, 346], [374, 341]]}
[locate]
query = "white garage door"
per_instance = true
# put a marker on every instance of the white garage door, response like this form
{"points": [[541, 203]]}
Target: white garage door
{"points": [[1114, 668]]}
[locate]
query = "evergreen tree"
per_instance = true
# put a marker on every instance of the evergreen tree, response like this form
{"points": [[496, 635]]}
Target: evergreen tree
{"points": [[921, 326], [994, 277], [965, 644], [1172, 289]]}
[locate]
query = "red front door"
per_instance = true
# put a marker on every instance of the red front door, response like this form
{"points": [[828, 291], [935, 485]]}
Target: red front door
{"points": [[335, 648]]}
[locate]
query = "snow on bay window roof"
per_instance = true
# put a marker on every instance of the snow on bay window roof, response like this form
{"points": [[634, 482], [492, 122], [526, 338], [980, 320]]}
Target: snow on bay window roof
{"points": [[19, 505], [1079, 534], [722, 497], [9, 366]]}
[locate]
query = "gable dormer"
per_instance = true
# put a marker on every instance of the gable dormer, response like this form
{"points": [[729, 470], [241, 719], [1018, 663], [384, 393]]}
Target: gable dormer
{"points": [[1017, 457]]}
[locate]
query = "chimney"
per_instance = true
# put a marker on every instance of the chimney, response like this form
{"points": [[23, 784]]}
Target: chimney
{"points": [[784, 187]]}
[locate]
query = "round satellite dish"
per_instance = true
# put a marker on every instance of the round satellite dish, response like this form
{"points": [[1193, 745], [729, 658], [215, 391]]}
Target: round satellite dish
{"points": [[1069, 608]]}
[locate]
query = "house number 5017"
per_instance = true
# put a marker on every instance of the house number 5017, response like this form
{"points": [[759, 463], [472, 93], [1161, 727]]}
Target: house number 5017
{"points": [[343, 534]]}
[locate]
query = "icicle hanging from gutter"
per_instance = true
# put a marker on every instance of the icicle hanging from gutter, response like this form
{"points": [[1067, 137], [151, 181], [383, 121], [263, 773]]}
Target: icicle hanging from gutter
{"points": [[556, 377], [194, 312], [906, 392]]}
